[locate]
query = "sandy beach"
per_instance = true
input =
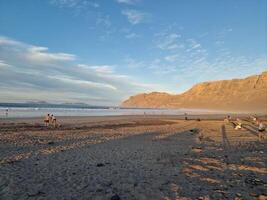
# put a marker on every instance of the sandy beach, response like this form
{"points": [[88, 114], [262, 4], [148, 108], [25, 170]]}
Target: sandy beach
{"points": [[132, 157]]}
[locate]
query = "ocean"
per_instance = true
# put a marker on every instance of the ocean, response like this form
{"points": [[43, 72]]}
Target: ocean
{"points": [[40, 110]]}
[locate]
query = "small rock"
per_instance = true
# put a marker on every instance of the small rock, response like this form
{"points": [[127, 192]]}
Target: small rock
{"points": [[253, 194], [115, 197], [203, 198], [99, 190], [51, 142], [100, 165], [238, 194]]}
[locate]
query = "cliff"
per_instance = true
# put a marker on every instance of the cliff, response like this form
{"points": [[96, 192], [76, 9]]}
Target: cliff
{"points": [[249, 94]]}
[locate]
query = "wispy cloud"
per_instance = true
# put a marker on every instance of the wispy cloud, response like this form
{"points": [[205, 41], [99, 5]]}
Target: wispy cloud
{"points": [[77, 7], [131, 36], [128, 2], [171, 58], [135, 16], [78, 4], [104, 20], [27, 69], [41, 54], [168, 41], [3, 64]]}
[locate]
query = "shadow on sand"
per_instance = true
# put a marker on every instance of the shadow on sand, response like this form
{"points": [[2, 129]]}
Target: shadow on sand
{"points": [[174, 166]]}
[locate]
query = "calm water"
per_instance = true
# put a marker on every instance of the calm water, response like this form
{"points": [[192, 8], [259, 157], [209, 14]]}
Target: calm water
{"points": [[19, 112]]}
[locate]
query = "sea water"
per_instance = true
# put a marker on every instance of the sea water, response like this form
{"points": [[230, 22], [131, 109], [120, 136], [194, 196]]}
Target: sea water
{"points": [[26, 112]]}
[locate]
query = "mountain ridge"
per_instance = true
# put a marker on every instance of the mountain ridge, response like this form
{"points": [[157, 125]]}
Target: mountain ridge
{"points": [[247, 94]]}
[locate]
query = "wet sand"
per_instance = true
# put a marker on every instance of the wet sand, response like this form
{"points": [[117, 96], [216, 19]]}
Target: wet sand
{"points": [[132, 157]]}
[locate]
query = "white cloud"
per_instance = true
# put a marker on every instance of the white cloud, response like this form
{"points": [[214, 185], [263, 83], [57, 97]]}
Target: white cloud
{"points": [[131, 36], [169, 41], [40, 54], [77, 4], [35, 53], [128, 2], [193, 44], [135, 16], [104, 20], [86, 83], [132, 63], [172, 58], [100, 68], [33, 72], [7, 41], [3, 64]]}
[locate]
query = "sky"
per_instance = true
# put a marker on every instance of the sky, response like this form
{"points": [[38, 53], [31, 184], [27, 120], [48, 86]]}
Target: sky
{"points": [[100, 52]]}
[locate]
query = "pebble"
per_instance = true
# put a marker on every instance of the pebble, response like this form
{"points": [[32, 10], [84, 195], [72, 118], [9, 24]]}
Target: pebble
{"points": [[115, 197], [238, 194], [253, 194], [51, 142]]}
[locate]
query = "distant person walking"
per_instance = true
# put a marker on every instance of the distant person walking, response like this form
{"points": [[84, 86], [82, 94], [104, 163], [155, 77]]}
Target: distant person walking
{"points": [[46, 120], [185, 116], [50, 119], [7, 112]]}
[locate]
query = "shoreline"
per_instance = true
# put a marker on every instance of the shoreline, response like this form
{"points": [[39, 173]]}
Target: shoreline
{"points": [[178, 116]]}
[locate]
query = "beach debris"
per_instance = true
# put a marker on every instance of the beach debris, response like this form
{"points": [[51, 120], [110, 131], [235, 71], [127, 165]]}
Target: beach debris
{"points": [[197, 149], [203, 198], [254, 181], [100, 165], [115, 197], [238, 124], [261, 127], [194, 130], [35, 194]]}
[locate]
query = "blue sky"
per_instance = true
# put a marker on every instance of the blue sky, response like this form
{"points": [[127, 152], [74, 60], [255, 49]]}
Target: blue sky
{"points": [[102, 51]]}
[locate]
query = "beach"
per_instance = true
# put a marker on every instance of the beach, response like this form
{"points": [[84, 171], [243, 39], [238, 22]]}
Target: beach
{"points": [[132, 157]]}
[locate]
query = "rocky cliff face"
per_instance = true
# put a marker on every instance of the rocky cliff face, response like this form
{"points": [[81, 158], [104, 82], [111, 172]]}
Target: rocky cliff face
{"points": [[249, 94]]}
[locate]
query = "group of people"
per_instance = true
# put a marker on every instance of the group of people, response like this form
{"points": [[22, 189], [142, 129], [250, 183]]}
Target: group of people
{"points": [[50, 119]]}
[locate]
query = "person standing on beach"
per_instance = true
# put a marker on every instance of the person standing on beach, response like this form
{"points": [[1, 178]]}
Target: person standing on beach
{"points": [[185, 116], [50, 119], [46, 120], [7, 112], [54, 121]]}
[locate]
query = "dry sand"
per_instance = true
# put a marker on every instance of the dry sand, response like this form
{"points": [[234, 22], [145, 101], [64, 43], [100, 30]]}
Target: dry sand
{"points": [[131, 157]]}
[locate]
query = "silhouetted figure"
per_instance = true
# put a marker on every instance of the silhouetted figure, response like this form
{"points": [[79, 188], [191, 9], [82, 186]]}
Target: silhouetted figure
{"points": [[185, 116], [7, 112]]}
